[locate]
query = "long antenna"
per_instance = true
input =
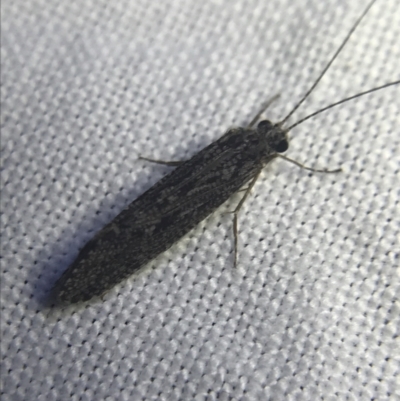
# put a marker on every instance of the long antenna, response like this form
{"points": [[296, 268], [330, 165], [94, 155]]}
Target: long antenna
{"points": [[340, 102], [329, 63]]}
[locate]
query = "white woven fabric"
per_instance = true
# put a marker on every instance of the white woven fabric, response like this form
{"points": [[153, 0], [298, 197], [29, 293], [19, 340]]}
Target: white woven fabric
{"points": [[312, 310]]}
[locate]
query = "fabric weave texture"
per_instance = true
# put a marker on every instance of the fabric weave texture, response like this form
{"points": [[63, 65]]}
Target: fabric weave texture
{"points": [[312, 310]]}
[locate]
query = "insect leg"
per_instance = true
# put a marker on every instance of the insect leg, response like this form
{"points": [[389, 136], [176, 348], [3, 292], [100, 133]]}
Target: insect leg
{"points": [[169, 163], [263, 108], [236, 211], [308, 168]]}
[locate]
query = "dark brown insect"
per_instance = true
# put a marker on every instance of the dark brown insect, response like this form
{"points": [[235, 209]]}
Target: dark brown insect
{"points": [[179, 201]]}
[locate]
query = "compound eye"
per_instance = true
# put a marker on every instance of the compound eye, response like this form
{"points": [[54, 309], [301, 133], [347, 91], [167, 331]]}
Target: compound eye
{"points": [[264, 125], [282, 146]]}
